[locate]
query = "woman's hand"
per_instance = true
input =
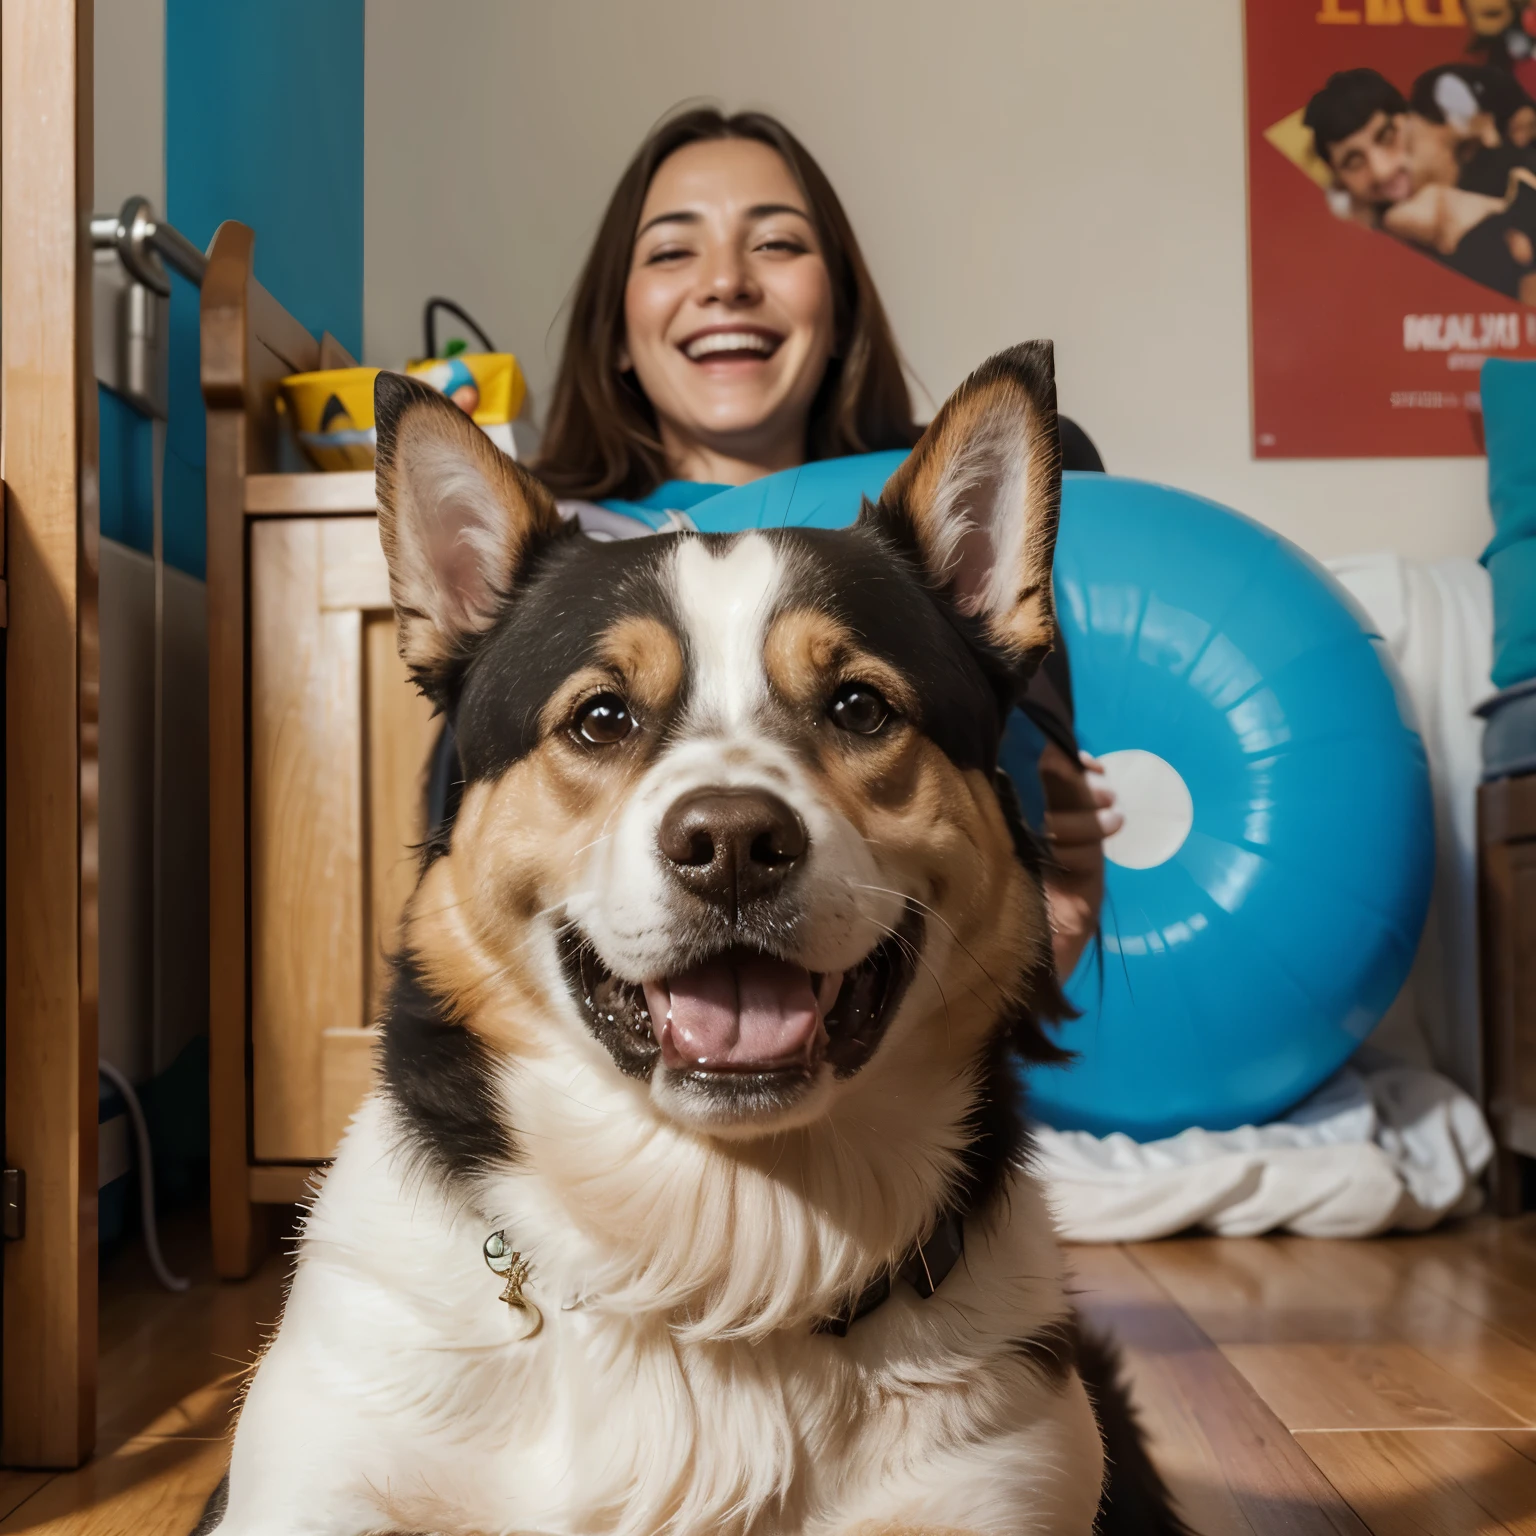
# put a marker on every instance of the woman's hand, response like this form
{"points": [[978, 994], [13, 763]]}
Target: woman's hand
{"points": [[1079, 814]]}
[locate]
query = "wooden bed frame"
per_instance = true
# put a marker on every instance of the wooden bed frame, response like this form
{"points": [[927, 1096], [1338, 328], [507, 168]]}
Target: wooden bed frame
{"points": [[1506, 835], [317, 744]]}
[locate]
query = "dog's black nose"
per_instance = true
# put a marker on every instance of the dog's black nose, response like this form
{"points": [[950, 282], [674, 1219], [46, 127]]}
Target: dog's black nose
{"points": [[731, 846]]}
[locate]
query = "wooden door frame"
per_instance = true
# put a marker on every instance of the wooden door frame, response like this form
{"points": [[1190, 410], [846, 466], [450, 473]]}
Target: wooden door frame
{"points": [[48, 451]]}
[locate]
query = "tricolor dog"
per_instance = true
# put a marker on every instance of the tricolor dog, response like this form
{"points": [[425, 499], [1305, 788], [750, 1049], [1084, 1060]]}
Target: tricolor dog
{"points": [[693, 1197]]}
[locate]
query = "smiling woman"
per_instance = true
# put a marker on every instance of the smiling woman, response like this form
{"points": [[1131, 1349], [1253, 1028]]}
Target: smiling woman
{"points": [[728, 312], [725, 324]]}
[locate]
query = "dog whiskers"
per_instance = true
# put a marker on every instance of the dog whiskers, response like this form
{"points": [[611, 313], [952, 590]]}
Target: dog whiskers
{"points": [[917, 958], [938, 917], [602, 837], [922, 906]]}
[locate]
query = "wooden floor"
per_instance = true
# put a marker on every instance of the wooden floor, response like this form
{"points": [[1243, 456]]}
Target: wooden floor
{"points": [[170, 1368], [1300, 1386], [1292, 1386]]}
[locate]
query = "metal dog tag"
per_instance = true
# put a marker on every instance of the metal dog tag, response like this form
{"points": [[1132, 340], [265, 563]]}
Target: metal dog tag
{"points": [[502, 1259]]}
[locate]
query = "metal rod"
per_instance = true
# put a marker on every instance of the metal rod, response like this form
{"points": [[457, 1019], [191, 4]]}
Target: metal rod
{"points": [[179, 252], [143, 243]]}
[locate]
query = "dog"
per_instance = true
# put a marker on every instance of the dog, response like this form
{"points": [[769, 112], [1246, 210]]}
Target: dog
{"points": [[694, 1194]]}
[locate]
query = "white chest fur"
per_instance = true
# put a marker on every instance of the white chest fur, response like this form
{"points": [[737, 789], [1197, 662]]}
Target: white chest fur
{"points": [[400, 1394]]}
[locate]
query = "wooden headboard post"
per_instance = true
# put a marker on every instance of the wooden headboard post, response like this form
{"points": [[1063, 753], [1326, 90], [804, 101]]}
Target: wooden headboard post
{"points": [[249, 343]]}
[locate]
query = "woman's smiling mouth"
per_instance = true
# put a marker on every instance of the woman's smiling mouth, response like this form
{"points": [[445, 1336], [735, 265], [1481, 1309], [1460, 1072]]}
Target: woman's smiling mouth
{"points": [[748, 343]]}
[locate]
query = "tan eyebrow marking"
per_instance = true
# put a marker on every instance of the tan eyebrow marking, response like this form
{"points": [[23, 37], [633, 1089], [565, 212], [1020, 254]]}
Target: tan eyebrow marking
{"points": [[807, 650], [648, 655], [802, 649]]}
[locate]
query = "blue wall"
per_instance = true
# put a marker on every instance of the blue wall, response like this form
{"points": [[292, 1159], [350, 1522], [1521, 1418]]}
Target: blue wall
{"points": [[127, 478], [263, 123]]}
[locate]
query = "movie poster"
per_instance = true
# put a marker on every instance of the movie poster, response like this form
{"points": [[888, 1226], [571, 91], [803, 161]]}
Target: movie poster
{"points": [[1391, 219]]}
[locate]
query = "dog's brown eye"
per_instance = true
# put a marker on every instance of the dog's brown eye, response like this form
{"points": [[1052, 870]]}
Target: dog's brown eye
{"points": [[604, 720], [859, 708]]}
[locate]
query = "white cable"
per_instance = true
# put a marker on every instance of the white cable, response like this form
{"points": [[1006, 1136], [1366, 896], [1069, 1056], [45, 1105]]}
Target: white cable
{"points": [[146, 1177]]}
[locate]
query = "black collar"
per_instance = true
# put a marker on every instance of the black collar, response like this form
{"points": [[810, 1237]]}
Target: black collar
{"points": [[925, 1269]]}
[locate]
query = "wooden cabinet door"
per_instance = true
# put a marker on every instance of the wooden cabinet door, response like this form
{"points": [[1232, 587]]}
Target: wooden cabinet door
{"points": [[339, 742], [48, 427]]}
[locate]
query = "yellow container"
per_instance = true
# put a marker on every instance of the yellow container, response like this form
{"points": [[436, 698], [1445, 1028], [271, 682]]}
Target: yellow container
{"points": [[332, 411], [332, 415]]}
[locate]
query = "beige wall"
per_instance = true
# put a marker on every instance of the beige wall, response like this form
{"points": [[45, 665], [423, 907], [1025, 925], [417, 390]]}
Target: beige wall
{"points": [[1015, 168], [130, 102]]}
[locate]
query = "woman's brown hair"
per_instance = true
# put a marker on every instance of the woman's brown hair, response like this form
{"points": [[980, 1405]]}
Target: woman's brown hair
{"points": [[602, 438]]}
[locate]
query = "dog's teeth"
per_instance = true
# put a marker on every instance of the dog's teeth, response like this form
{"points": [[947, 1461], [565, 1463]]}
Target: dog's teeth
{"points": [[827, 986]]}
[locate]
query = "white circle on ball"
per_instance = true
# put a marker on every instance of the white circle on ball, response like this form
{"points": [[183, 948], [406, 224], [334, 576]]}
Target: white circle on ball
{"points": [[1154, 799]]}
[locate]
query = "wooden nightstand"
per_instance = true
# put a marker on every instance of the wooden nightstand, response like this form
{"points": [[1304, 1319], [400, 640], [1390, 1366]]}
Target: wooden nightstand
{"points": [[317, 746]]}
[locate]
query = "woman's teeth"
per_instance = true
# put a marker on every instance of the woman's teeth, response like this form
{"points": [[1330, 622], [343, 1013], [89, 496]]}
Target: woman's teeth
{"points": [[729, 341]]}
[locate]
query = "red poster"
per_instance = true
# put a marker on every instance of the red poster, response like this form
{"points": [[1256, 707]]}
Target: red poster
{"points": [[1386, 268]]}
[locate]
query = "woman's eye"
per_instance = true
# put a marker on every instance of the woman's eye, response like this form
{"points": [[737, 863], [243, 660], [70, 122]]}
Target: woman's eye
{"points": [[859, 708], [794, 247], [604, 720], [662, 257]]}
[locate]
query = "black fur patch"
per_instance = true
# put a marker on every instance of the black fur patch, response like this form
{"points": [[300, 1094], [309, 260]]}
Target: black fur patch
{"points": [[997, 1140], [1047, 1001], [1052, 1350], [440, 1075], [572, 591], [1135, 1501]]}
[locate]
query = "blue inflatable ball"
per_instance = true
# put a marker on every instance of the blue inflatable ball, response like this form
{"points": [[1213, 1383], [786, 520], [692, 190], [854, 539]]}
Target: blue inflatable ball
{"points": [[1263, 904]]}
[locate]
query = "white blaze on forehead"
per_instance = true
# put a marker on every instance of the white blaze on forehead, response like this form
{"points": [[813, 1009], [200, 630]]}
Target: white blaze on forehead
{"points": [[724, 602]]}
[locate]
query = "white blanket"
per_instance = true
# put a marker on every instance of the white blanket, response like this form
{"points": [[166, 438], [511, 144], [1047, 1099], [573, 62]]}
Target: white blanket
{"points": [[1388, 1142], [1368, 1152], [1437, 621]]}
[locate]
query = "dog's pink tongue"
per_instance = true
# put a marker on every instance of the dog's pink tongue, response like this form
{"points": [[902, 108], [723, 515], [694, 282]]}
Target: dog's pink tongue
{"points": [[736, 1014]]}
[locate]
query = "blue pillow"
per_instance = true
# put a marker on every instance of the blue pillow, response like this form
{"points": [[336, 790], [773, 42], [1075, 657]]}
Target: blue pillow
{"points": [[1509, 426]]}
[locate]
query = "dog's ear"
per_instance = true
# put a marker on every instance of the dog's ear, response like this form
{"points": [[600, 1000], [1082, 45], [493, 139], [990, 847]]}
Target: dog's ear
{"points": [[977, 500], [456, 518]]}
